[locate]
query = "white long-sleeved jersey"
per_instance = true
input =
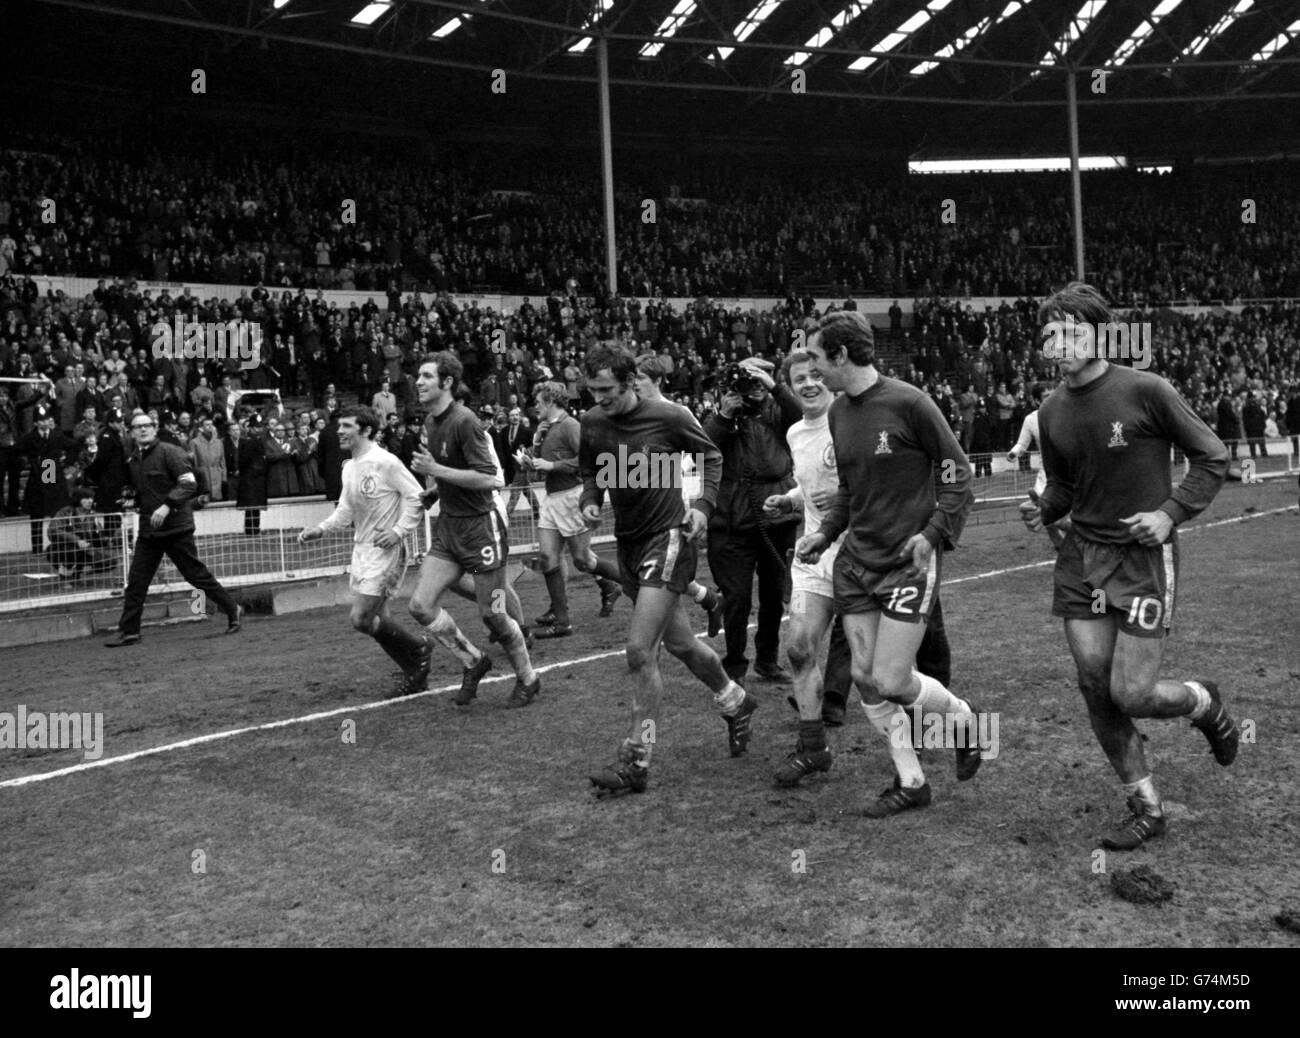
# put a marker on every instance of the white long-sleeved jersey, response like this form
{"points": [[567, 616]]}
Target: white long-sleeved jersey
{"points": [[379, 494], [815, 467], [1028, 433]]}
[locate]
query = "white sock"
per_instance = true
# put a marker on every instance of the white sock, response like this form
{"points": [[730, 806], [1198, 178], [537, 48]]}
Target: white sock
{"points": [[894, 723], [935, 699], [701, 593], [448, 635], [730, 698], [1202, 699], [1145, 790]]}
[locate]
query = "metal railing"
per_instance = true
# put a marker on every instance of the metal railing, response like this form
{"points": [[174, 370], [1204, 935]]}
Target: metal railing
{"points": [[30, 580]]}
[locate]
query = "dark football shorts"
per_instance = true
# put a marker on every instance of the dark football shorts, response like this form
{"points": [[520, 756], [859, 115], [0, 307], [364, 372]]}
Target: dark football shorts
{"points": [[667, 559], [900, 594], [477, 543], [1132, 581]]}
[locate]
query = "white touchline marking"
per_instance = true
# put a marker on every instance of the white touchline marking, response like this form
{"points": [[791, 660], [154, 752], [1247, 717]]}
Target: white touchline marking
{"points": [[199, 740]]}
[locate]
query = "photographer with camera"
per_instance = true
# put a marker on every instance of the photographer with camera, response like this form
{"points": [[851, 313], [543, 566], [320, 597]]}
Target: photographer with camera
{"points": [[756, 463]]}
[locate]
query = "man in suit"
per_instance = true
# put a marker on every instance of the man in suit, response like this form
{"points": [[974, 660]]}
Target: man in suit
{"points": [[47, 451]]}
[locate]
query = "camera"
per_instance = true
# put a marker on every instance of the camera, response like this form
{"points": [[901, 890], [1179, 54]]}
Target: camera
{"points": [[737, 379]]}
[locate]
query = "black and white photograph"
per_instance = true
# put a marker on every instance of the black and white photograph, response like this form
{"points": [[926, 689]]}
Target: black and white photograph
{"points": [[647, 474]]}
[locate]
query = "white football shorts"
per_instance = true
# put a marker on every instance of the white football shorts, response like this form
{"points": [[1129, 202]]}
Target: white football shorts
{"points": [[376, 571]]}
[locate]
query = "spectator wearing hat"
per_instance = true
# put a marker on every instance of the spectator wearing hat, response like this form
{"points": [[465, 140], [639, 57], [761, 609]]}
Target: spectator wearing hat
{"points": [[250, 465], [77, 544], [47, 451], [11, 458], [209, 456], [384, 402], [108, 471], [1227, 426], [1253, 419]]}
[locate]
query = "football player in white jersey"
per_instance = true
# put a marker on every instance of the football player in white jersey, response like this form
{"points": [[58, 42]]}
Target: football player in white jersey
{"points": [[812, 596], [381, 499]]}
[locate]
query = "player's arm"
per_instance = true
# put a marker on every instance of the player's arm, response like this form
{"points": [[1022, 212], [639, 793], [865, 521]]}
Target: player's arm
{"points": [[790, 501], [1207, 457], [1026, 439], [954, 497], [593, 494], [1057, 497], [185, 485], [785, 399], [691, 438], [339, 519], [399, 479]]}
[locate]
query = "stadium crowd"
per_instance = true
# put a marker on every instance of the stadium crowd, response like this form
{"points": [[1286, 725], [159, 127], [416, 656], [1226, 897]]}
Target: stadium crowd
{"points": [[1240, 371], [467, 222]]}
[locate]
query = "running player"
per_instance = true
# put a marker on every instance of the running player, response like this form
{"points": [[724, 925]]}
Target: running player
{"points": [[469, 536], [561, 521], [464, 587], [382, 500], [1106, 439], [812, 590], [649, 386], [904, 492], [657, 550]]}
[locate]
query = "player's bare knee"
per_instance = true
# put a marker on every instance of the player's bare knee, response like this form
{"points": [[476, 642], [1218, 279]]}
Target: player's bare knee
{"points": [[585, 563], [893, 683], [550, 561], [639, 656], [423, 612], [362, 619], [802, 654]]}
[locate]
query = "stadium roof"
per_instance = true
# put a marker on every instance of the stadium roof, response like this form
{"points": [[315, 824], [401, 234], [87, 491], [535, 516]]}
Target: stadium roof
{"points": [[932, 78]]}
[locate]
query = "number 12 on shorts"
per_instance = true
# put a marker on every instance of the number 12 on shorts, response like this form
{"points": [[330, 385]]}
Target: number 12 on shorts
{"points": [[899, 599]]}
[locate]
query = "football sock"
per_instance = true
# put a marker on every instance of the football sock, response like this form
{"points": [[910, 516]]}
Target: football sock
{"points": [[730, 698], [812, 735], [606, 570], [892, 721], [448, 635], [700, 593], [1201, 700], [559, 597], [935, 699], [400, 644], [513, 642], [1145, 790]]}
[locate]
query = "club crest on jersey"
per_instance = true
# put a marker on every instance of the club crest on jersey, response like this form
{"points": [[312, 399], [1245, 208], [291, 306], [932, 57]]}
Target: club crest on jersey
{"points": [[1117, 435], [828, 456], [370, 485], [883, 446]]}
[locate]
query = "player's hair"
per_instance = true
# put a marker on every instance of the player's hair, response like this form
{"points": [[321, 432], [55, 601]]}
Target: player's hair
{"points": [[796, 357], [82, 492], [617, 359], [848, 333], [447, 365], [649, 365], [1077, 301], [551, 393], [366, 418]]}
